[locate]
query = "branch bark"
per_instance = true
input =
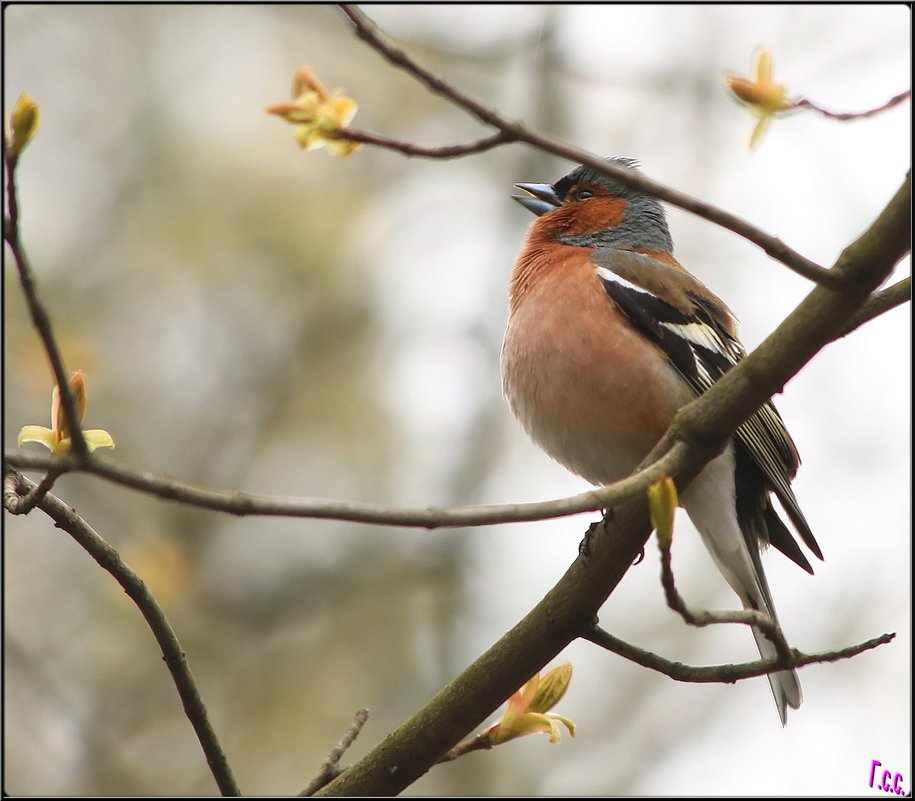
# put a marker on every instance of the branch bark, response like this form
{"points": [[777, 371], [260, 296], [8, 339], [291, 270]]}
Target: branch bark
{"points": [[728, 674], [244, 504]]}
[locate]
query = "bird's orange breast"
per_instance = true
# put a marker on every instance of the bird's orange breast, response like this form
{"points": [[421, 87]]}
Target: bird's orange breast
{"points": [[587, 387]]}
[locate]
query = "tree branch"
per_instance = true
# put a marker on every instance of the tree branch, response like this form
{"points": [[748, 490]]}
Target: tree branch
{"points": [[845, 116], [40, 318], [723, 674], [515, 131], [880, 303], [108, 558], [244, 504], [436, 152], [822, 317]]}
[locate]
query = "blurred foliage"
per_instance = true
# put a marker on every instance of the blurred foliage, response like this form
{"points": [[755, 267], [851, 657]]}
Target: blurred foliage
{"points": [[251, 316]]}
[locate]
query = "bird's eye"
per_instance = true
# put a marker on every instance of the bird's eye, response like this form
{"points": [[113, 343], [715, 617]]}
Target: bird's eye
{"points": [[582, 194]]}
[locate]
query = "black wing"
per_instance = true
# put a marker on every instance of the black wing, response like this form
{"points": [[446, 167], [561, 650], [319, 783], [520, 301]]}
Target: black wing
{"points": [[694, 336]]}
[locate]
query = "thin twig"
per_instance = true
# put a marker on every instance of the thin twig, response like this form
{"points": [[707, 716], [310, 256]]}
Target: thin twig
{"points": [[107, 557], [40, 318], [243, 504], [435, 152], [724, 674], [844, 116], [705, 617], [330, 768], [515, 131], [369, 32]]}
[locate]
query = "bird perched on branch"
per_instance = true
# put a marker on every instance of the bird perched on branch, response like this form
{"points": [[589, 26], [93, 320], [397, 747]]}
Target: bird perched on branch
{"points": [[608, 336]]}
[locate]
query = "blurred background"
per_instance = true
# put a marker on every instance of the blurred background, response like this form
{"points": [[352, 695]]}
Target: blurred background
{"points": [[252, 316]]}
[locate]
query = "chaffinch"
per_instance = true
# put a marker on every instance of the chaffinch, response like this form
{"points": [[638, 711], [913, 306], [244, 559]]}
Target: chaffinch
{"points": [[608, 336]]}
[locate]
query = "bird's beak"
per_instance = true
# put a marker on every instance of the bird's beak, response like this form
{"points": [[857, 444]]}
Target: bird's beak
{"points": [[544, 198]]}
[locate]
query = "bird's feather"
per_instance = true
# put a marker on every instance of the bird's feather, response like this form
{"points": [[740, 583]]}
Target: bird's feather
{"points": [[695, 332]]}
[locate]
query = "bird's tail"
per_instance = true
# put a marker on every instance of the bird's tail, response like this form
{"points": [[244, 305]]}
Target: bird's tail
{"points": [[744, 572], [786, 687], [733, 541], [746, 576]]}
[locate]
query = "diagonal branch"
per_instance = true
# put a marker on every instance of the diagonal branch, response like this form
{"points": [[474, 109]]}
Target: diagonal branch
{"points": [[822, 317], [515, 131], [66, 518], [880, 303]]}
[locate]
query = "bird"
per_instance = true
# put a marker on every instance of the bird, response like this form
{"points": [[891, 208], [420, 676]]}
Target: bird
{"points": [[608, 335]]}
